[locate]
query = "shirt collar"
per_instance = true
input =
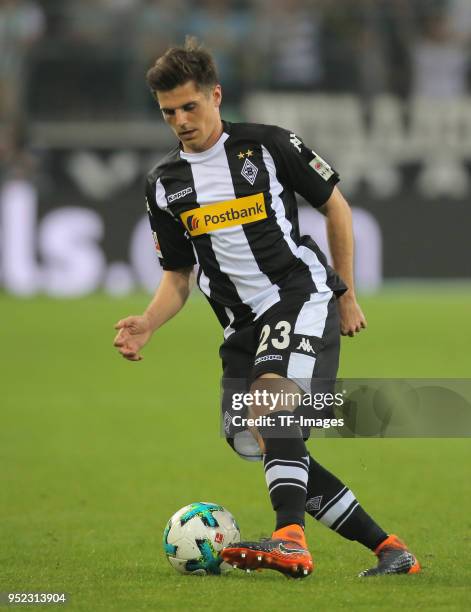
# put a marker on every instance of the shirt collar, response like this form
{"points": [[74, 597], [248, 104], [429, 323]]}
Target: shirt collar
{"points": [[209, 153]]}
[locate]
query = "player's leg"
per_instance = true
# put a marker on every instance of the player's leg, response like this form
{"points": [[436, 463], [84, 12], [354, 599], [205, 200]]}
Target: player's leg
{"points": [[236, 354], [327, 496], [329, 500], [285, 457], [334, 505], [286, 472], [237, 357]]}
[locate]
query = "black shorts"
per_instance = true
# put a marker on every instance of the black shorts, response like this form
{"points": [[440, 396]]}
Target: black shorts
{"points": [[297, 338]]}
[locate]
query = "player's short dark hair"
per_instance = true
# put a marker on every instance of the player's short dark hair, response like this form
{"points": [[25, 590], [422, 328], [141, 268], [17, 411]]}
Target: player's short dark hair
{"points": [[179, 65]]}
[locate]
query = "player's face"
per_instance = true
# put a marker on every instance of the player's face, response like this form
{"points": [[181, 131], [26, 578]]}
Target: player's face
{"points": [[193, 115]]}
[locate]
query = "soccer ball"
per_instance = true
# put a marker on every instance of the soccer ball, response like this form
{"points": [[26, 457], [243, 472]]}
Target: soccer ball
{"points": [[196, 534]]}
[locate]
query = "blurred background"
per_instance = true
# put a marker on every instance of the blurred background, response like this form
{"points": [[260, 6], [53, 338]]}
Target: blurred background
{"points": [[380, 88], [96, 453]]}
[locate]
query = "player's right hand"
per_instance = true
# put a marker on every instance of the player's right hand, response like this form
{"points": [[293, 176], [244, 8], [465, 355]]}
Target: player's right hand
{"points": [[134, 333]]}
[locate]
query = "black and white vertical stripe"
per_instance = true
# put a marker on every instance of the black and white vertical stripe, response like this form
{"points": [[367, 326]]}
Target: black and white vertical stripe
{"points": [[214, 182], [286, 473], [338, 509], [313, 270], [311, 321], [212, 277]]}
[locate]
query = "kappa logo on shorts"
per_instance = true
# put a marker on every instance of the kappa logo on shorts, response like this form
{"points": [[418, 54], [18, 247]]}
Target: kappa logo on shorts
{"points": [[268, 358], [305, 346], [213, 217]]}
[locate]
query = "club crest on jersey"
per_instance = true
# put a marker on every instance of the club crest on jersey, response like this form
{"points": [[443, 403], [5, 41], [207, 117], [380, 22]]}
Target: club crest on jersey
{"points": [[249, 171], [214, 217]]}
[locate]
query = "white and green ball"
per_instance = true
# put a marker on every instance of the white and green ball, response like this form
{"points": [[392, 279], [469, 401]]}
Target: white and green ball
{"points": [[195, 536]]}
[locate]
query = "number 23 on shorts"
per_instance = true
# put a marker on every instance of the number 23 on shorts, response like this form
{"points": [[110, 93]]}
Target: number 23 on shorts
{"points": [[278, 337]]}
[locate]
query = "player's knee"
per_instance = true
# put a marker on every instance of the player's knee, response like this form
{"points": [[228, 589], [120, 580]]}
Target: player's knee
{"points": [[245, 445], [271, 392]]}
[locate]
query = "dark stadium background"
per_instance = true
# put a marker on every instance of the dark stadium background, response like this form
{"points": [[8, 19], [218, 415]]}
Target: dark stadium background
{"points": [[378, 88]]}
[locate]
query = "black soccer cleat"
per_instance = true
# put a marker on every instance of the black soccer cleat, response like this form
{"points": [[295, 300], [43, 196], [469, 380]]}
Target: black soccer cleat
{"points": [[393, 558]]}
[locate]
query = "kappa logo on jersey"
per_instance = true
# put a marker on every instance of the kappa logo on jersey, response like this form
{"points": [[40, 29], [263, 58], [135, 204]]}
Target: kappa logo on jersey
{"points": [[305, 346], [249, 171], [294, 140], [221, 215], [180, 194], [321, 167]]}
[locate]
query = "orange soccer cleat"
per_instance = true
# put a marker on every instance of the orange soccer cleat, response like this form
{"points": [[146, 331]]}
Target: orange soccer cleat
{"points": [[393, 558], [286, 551]]}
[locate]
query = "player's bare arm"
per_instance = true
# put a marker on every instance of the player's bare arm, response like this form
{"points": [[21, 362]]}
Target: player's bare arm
{"points": [[340, 237], [135, 331]]}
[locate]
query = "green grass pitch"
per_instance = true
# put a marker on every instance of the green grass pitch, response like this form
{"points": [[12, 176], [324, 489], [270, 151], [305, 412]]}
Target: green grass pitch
{"points": [[96, 453]]}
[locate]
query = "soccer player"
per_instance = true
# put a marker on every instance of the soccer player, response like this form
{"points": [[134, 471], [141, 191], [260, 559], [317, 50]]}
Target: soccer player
{"points": [[224, 198]]}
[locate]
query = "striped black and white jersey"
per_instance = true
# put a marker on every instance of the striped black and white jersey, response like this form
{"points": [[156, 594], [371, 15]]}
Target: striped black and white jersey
{"points": [[232, 209]]}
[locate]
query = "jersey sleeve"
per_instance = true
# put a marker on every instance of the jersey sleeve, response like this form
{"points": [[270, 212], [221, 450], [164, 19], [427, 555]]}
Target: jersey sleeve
{"points": [[301, 169], [173, 247]]}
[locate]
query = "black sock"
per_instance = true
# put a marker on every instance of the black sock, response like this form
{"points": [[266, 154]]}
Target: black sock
{"points": [[286, 469], [333, 504]]}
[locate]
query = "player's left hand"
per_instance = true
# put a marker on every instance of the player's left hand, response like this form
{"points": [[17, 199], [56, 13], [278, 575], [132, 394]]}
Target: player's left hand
{"points": [[352, 319]]}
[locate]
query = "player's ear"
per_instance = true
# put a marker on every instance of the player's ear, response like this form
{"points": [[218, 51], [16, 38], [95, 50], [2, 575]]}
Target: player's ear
{"points": [[217, 96]]}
